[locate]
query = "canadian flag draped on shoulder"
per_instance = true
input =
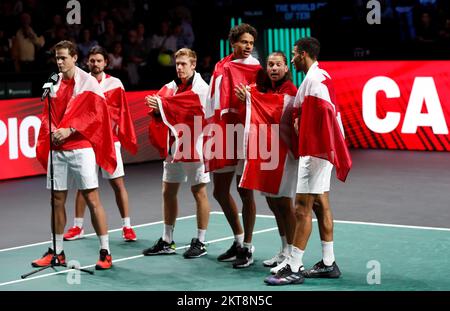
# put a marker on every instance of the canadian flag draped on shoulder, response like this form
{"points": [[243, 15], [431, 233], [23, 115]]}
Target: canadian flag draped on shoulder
{"points": [[183, 115], [87, 112], [224, 108], [268, 138], [119, 112], [321, 133]]}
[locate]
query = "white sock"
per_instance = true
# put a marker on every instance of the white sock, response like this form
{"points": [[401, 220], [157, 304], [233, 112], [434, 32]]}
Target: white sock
{"points": [[239, 238], [296, 259], [59, 243], [249, 246], [201, 234], [283, 242], [327, 253], [126, 222], [168, 233], [287, 250], [104, 242], [78, 222]]}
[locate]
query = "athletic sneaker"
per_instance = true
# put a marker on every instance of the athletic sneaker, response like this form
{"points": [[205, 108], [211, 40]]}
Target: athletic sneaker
{"points": [[244, 257], [320, 270], [46, 259], [105, 260], [285, 276], [275, 260], [230, 254], [128, 234], [160, 247], [197, 249], [74, 233], [280, 266]]}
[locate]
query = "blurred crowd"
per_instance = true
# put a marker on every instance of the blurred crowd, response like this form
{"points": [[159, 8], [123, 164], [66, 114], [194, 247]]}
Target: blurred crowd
{"points": [[408, 29], [141, 35]]}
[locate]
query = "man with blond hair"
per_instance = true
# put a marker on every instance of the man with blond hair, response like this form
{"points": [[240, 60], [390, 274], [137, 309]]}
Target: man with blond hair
{"points": [[180, 102]]}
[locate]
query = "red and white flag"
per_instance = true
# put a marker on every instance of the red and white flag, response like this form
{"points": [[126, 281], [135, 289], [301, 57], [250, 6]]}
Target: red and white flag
{"points": [[86, 111], [224, 107], [267, 140], [119, 112], [321, 133], [183, 115]]}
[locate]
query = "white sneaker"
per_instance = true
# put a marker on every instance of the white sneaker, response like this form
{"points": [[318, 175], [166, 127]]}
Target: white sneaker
{"points": [[275, 260], [283, 264]]}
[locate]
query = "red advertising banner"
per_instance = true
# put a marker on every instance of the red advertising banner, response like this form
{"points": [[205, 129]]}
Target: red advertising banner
{"points": [[20, 123], [384, 105], [394, 104]]}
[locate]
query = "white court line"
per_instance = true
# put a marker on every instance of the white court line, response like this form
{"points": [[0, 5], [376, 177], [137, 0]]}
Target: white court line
{"points": [[390, 225], [261, 216], [127, 258], [209, 242], [92, 234]]}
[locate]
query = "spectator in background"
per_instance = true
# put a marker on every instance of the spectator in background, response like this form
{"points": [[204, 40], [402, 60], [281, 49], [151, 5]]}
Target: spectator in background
{"points": [[163, 42], [99, 22], [25, 44], [183, 17], [444, 33], [121, 15], [404, 11], [115, 66], [135, 56], [143, 39], [206, 67], [161, 59], [50, 34], [110, 36], [60, 35], [85, 44], [426, 31], [5, 59], [116, 57]]}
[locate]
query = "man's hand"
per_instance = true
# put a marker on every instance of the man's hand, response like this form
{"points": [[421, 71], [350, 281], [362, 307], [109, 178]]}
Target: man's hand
{"points": [[60, 135], [239, 90], [151, 101], [296, 125]]}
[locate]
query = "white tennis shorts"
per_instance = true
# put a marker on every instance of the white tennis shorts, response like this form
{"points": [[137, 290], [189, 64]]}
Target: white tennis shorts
{"points": [[314, 175], [119, 172], [73, 169], [190, 172]]}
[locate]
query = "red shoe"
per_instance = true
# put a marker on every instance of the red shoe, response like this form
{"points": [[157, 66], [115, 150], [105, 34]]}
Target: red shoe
{"points": [[46, 259], [128, 234], [74, 233], [105, 260]]}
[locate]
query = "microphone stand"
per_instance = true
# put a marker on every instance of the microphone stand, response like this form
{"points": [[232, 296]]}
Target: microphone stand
{"points": [[48, 90]]}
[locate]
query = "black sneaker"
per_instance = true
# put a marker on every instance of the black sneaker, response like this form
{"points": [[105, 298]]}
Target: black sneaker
{"points": [[244, 257], [320, 270], [285, 276], [230, 254], [197, 249], [161, 247]]}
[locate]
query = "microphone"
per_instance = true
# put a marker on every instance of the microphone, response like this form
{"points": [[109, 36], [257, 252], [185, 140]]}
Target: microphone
{"points": [[48, 86]]}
